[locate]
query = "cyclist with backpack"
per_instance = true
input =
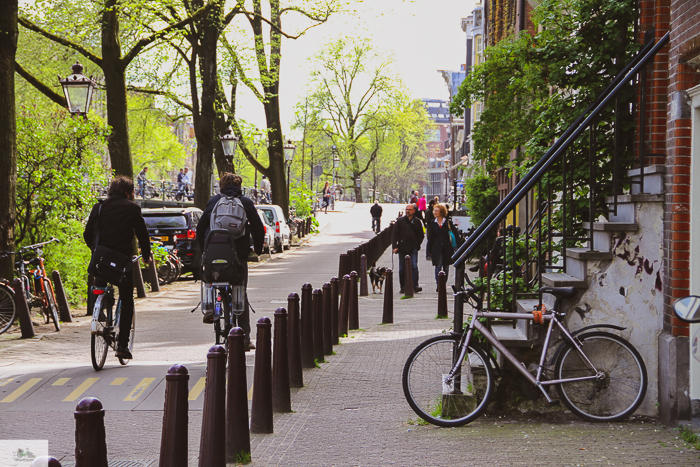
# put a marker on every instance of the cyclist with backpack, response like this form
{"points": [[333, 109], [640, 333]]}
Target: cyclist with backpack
{"points": [[230, 216]]}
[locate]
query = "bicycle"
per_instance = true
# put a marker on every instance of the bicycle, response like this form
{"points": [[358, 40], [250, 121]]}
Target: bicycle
{"points": [[39, 292], [228, 303], [104, 330], [448, 380], [8, 310]]}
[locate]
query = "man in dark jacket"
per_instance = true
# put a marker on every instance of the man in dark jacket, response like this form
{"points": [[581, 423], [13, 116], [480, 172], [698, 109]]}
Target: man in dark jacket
{"points": [[231, 186], [406, 240], [376, 212], [116, 219]]}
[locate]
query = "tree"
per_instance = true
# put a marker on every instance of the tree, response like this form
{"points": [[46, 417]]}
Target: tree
{"points": [[8, 131]]}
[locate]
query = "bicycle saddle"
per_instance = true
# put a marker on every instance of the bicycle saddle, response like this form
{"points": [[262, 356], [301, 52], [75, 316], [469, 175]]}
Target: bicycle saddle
{"points": [[565, 292]]}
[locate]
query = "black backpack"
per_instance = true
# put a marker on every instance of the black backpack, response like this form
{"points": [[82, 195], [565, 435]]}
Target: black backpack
{"points": [[220, 263]]}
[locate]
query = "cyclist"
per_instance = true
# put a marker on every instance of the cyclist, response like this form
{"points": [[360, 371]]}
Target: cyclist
{"points": [[231, 186], [119, 219], [266, 188], [142, 179]]}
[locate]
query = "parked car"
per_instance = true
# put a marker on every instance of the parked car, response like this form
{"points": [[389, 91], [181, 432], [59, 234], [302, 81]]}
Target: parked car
{"points": [[269, 233], [176, 228], [283, 237]]}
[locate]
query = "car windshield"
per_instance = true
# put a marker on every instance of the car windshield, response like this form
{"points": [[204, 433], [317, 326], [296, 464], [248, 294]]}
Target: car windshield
{"points": [[165, 221]]}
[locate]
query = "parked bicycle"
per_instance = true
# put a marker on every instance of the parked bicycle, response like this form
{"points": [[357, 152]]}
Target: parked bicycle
{"points": [[104, 331], [448, 380], [37, 285], [8, 310], [167, 262]]}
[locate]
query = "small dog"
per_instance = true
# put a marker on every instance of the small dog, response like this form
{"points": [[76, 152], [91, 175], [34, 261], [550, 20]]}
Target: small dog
{"points": [[376, 277]]}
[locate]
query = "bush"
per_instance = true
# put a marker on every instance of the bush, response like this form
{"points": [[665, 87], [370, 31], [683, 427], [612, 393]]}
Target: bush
{"points": [[482, 196]]}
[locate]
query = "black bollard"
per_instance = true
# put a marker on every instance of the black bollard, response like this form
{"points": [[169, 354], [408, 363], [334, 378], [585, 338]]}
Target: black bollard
{"points": [[173, 441], [61, 300], [307, 328], [153, 276], [353, 309], [261, 410], [296, 374], [237, 430], [442, 295], [90, 295], [343, 265], [46, 462], [334, 311], [25, 321], [408, 277], [344, 303], [327, 319], [363, 276], [90, 443], [212, 445], [138, 280], [388, 309], [318, 325], [300, 229], [281, 397]]}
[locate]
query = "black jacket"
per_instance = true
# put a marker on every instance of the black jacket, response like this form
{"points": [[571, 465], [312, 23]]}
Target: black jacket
{"points": [[120, 218], [439, 245], [254, 227], [376, 210], [407, 235]]}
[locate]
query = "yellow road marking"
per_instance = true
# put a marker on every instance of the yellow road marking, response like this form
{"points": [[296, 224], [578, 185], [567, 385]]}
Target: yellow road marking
{"points": [[197, 389], [139, 389], [117, 381], [3, 382], [21, 390], [250, 393], [77, 392], [60, 381]]}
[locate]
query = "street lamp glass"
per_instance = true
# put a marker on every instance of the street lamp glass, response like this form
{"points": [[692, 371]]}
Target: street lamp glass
{"points": [[229, 142], [289, 150], [78, 90], [336, 161], [358, 182]]}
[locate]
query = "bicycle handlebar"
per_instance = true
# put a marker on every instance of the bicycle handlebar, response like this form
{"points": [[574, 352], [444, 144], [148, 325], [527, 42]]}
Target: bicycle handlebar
{"points": [[37, 245]]}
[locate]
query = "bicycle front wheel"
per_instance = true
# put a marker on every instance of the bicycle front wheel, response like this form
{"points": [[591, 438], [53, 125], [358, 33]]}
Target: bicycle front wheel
{"points": [[441, 400], [99, 343], [8, 312], [51, 306], [620, 387]]}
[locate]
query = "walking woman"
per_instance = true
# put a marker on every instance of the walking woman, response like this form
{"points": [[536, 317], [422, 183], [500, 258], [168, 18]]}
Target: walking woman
{"points": [[439, 244]]}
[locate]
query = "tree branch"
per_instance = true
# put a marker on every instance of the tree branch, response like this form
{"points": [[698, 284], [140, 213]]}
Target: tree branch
{"points": [[60, 40], [41, 87], [157, 92]]}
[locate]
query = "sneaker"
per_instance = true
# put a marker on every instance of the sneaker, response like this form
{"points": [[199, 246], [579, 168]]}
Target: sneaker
{"points": [[417, 289], [123, 352], [208, 318]]}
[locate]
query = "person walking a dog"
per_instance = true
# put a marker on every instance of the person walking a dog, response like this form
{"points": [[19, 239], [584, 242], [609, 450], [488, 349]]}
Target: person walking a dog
{"points": [[406, 240]]}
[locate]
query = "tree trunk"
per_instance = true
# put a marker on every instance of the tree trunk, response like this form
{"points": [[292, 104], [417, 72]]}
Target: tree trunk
{"points": [[8, 131], [115, 87]]}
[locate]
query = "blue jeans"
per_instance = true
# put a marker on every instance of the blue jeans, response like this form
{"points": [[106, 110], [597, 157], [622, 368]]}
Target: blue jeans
{"points": [[441, 267], [414, 267]]}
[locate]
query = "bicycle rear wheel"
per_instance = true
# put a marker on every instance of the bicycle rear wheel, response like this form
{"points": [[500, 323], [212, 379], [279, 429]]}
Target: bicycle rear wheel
{"points": [[8, 311], [99, 335], [623, 377], [51, 309], [439, 400]]}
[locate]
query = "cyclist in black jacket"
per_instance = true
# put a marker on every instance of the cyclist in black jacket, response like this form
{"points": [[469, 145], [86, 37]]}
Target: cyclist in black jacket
{"points": [[119, 219], [231, 186]]}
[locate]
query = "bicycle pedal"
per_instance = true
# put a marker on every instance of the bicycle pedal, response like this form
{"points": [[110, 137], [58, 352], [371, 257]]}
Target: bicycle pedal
{"points": [[554, 403]]}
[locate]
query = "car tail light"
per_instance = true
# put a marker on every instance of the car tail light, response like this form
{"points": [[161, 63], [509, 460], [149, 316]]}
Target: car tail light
{"points": [[98, 291], [265, 228], [190, 235], [277, 227]]}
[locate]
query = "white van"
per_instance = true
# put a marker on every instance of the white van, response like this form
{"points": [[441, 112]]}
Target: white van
{"points": [[274, 213]]}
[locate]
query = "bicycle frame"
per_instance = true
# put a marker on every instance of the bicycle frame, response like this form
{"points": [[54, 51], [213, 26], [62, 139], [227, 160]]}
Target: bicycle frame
{"points": [[550, 317]]}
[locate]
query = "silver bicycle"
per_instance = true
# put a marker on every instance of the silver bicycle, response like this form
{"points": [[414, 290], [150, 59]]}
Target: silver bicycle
{"points": [[448, 380]]}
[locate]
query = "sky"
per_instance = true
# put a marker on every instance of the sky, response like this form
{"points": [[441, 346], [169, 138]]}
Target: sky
{"points": [[424, 36]]}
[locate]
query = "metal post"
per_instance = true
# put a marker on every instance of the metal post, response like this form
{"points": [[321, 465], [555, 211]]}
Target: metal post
{"points": [[61, 299], [459, 300], [442, 295], [173, 441], [408, 277], [296, 375], [344, 303], [281, 397], [212, 445], [388, 309], [261, 420], [25, 322], [307, 330], [153, 275], [90, 443], [363, 275], [237, 430], [353, 309], [138, 279], [318, 325], [327, 319], [334, 311]]}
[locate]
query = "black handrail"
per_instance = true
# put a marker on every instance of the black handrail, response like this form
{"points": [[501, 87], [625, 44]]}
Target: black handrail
{"points": [[558, 148]]}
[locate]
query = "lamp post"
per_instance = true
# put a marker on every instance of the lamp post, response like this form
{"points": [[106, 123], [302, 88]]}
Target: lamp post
{"points": [[229, 142], [358, 185], [336, 164], [289, 150], [78, 90]]}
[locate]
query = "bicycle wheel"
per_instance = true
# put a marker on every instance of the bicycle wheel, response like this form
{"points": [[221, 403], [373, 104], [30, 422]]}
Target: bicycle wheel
{"points": [[51, 309], [8, 312], [441, 401], [618, 391], [125, 361], [99, 338]]}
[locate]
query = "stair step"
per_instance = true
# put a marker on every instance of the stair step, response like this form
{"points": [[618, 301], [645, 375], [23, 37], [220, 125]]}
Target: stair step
{"points": [[557, 279], [648, 170], [638, 198], [586, 254], [612, 226], [526, 305], [510, 336]]}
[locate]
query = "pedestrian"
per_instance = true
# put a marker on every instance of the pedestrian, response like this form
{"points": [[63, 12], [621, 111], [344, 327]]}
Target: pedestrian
{"points": [[440, 245], [231, 187], [406, 239], [414, 198], [186, 180], [179, 179], [376, 212], [112, 224], [141, 179], [266, 188], [326, 196]]}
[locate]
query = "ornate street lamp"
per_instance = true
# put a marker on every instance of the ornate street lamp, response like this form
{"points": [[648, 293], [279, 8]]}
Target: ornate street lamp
{"points": [[289, 150], [229, 142], [78, 90], [336, 162]]}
